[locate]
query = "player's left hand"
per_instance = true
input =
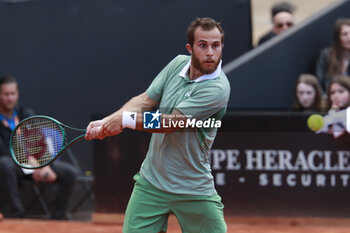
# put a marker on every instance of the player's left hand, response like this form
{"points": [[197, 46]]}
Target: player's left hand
{"points": [[109, 126], [112, 125], [93, 131]]}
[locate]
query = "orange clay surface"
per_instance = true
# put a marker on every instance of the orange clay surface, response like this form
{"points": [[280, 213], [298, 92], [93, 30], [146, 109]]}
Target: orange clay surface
{"points": [[235, 225]]}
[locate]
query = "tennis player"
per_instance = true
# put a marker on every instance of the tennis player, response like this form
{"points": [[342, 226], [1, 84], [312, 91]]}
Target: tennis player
{"points": [[175, 176]]}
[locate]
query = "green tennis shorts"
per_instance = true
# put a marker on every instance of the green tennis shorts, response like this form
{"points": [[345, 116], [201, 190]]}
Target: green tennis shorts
{"points": [[149, 208]]}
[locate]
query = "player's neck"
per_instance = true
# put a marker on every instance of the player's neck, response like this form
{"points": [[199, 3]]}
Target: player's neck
{"points": [[194, 73]]}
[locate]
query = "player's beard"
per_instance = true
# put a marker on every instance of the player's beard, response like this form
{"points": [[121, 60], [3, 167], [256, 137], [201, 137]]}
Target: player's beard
{"points": [[197, 64]]}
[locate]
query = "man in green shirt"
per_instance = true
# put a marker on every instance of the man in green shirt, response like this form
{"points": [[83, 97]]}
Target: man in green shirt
{"points": [[175, 177]]}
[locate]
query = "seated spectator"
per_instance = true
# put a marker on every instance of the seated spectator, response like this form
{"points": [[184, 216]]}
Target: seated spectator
{"points": [[339, 93], [10, 174], [338, 101], [308, 95], [334, 60], [282, 19]]}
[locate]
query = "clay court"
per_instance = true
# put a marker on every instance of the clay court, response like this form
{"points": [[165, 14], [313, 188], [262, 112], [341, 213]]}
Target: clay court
{"points": [[235, 225]]}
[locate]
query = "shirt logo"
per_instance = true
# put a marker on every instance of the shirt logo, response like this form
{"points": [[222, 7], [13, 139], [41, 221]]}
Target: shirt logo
{"points": [[151, 120]]}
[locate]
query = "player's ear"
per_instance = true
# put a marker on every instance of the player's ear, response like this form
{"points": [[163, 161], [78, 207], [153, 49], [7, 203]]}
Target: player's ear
{"points": [[189, 48]]}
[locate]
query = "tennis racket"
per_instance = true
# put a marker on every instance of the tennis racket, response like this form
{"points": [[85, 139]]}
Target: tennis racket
{"points": [[38, 141]]}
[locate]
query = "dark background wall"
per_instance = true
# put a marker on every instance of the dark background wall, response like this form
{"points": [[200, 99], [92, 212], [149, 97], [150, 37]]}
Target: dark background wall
{"points": [[73, 58], [265, 77]]}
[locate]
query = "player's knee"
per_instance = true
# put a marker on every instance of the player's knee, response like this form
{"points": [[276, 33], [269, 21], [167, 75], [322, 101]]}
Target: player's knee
{"points": [[222, 228], [214, 226]]}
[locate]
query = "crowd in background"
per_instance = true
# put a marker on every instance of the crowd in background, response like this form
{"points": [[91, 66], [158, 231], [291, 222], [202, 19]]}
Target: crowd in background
{"points": [[329, 88]]}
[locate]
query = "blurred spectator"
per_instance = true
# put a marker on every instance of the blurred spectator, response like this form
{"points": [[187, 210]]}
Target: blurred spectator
{"points": [[308, 95], [282, 19], [334, 60], [338, 101], [10, 174], [339, 93]]}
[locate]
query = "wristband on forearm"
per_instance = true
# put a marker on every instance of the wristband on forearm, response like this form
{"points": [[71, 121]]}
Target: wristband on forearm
{"points": [[129, 119]]}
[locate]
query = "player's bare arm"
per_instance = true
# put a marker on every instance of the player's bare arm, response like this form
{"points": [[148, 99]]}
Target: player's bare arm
{"points": [[174, 117], [113, 124]]}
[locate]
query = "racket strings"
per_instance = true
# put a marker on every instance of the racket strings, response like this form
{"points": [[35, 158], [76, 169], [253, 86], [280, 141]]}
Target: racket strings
{"points": [[36, 142]]}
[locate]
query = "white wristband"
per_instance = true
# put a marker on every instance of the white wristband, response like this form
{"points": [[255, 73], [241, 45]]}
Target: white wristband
{"points": [[129, 120]]}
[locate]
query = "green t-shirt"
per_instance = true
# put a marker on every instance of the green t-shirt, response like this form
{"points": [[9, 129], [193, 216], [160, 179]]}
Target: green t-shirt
{"points": [[178, 162]]}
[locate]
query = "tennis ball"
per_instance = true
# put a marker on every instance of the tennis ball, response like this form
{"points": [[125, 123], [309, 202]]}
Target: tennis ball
{"points": [[315, 122]]}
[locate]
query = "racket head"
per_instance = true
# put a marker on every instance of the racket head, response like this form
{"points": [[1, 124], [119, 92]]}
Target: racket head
{"points": [[37, 141]]}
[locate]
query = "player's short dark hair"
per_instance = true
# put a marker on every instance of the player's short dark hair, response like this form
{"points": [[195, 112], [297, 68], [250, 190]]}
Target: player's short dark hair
{"points": [[282, 7], [5, 79], [206, 24]]}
